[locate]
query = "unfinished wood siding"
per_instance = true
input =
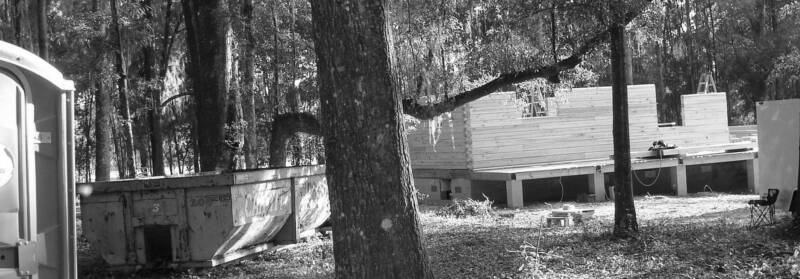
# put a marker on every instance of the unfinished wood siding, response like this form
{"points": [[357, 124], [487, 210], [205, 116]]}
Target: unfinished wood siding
{"points": [[581, 130], [450, 148], [705, 121]]}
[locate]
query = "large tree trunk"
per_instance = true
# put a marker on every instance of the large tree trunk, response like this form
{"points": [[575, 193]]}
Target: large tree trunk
{"points": [[284, 126], [103, 133], [248, 86], [661, 86], [625, 224], [104, 147], [208, 33], [276, 93], [628, 65], [21, 37], [373, 207], [41, 29], [154, 94], [122, 85]]}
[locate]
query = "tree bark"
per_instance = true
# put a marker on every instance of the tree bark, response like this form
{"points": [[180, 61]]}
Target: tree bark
{"points": [[373, 207], [276, 94], [154, 94], [284, 126], [625, 224], [248, 86], [628, 64], [22, 37], [103, 133], [661, 86], [104, 146], [122, 85], [208, 31], [41, 29]]}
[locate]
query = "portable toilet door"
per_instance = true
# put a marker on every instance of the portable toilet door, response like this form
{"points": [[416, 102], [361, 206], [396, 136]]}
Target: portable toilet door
{"points": [[37, 212]]}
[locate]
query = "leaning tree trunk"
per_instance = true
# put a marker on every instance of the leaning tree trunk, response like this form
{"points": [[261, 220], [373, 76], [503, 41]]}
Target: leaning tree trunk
{"points": [[208, 31], [373, 207], [284, 126], [625, 224]]}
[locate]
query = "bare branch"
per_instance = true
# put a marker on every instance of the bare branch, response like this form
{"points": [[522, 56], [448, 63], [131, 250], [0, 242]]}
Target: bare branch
{"points": [[550, 72], [173, 97]]}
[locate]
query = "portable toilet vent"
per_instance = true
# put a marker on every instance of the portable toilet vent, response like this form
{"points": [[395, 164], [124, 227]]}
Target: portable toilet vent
{"points": [[37, 212]]}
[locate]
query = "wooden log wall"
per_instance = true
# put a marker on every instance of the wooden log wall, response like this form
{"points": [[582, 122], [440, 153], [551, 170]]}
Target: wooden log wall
{"points": [[449, 151], [499, 137]]}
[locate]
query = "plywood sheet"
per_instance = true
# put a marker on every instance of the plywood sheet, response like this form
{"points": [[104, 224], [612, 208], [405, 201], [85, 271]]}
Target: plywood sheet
{"points": [[778, 137]]}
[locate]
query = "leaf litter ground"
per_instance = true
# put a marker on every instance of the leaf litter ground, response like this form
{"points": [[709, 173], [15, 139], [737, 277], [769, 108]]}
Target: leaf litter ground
{"points": [[700, 236]]}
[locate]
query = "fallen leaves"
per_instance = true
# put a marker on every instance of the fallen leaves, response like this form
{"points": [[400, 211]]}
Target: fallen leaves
{"points": [[701, 236]]}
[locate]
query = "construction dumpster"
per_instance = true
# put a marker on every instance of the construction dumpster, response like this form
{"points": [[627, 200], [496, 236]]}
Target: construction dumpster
{"points": [[37, 213], [203, 220]]}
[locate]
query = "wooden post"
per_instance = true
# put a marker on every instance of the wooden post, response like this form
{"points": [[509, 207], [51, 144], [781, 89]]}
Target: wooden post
{"points": [[752, 175], [462, 188], [678, 179], [597, 185], [514, 193]]}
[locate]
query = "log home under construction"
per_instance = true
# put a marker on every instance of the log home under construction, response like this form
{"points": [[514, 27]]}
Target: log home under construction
{"points": [[496, 147]]}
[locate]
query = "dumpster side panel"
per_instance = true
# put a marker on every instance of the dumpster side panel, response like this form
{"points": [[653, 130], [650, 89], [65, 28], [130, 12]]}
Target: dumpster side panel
{"points": [[259, 211], [158, 225], [209, 219], [155, 207], [313, 203], [103, 225]]}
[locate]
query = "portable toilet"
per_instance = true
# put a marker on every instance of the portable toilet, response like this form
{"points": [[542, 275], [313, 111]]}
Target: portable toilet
{"points": [[37, 212]]}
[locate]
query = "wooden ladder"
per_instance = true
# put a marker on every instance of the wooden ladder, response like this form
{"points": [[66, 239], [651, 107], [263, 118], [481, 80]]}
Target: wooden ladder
{"points": [[706, 82]]}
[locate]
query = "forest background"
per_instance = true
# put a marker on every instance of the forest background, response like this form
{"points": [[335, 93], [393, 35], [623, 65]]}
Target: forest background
{"points": [[135, 110]]}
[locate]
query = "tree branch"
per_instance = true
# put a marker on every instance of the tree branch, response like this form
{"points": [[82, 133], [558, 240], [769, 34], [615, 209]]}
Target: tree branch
{"points": [[173, 97], [284, 126], [550, 72]]}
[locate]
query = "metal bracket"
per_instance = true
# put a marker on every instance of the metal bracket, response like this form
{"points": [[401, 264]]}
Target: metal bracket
{"points": [[28, 262]]}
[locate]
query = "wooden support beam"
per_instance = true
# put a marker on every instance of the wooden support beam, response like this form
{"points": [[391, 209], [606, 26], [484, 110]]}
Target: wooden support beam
{"points": [[514, 193], [597, 185], [678, 179], [462, 188], [714, 158], [556, 172], [638, 164], [682, 151], [495, 176], [752, 175]]}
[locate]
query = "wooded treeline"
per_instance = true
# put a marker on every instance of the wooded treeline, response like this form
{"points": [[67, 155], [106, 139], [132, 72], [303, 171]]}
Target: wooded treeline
{"points": [[137, 111], [167, 87]]}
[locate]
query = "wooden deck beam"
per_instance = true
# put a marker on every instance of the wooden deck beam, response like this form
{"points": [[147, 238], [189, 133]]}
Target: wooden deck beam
{"points": [[713, 158]]}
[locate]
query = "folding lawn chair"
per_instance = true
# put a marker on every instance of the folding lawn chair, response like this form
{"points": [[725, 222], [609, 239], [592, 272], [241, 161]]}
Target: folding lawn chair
{"points": [[762, 211]]}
